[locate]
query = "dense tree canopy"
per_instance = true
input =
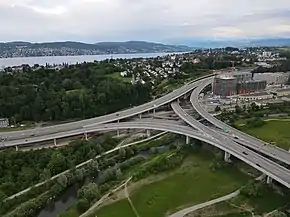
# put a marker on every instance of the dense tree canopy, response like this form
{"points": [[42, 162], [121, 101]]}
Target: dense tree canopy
{"points": [[284, 66], [20, 170], [78, 91]]}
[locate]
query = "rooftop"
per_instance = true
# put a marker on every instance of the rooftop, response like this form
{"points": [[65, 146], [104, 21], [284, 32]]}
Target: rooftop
{"points": [[227, 77]]}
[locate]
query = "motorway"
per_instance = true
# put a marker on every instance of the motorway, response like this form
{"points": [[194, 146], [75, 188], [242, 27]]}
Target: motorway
{"points": [[50, 137], [266, 166], [261, 163], [213, 137], [106, 118], [243, 138]]}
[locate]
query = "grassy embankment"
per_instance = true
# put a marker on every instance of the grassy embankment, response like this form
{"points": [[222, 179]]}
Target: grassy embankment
{"points": [[194, 182], [242, 206], [274, 130]]}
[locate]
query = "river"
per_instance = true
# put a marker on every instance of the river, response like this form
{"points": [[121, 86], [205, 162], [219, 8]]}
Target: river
{"points": [[17, 61], [69, 196]]}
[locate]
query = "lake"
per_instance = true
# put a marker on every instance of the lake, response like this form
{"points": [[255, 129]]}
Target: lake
{"points": [[17, 61]]}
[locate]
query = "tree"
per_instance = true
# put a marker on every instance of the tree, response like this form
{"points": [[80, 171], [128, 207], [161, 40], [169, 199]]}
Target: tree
{"points": [[93, 166], [122, 154], [46, 174], [89, 192], [251, 190], [217, 109], [80, 174], [238, 109], [57, 163], [83, 204], [62, 181]]}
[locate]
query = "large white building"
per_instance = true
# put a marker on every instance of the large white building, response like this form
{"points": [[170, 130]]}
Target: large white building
{"points": [[273, 78]]}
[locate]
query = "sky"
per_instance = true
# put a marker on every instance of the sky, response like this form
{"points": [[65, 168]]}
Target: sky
{"points": [[151, 20]]}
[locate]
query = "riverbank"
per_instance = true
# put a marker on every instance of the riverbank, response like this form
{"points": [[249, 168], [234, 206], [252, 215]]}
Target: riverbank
{"points": [[190, 184], [70, 208]]}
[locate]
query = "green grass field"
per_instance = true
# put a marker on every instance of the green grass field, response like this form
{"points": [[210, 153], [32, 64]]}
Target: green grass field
{"points": [[193, 183], [273, 131], [117, 75], [267, 202], [120, 208], [242, 206]]}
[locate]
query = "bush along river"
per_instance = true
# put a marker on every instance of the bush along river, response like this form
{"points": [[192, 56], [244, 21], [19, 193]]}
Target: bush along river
{"points": [[109, 176]]}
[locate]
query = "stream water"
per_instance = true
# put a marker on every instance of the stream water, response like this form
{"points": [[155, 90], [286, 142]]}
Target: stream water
{"points": [[69, 196]]}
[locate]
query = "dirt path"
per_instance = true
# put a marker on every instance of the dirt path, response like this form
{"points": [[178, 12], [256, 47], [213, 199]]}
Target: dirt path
{"points": [[191, 209], [99, 202], [188, 210], [130, 201]]}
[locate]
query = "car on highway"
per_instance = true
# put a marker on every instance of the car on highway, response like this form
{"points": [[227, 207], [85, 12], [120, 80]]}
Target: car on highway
{"points": [[245, 153]]}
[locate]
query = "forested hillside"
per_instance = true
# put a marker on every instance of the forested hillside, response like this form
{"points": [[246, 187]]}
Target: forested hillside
{"points": [[74, 92]]}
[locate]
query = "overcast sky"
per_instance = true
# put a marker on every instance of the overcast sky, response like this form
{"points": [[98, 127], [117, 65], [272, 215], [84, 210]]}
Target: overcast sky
{"points": [[152, 20]]}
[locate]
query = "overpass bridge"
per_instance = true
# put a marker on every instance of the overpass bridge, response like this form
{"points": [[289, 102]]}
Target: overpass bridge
{"points": [[195, 130]]}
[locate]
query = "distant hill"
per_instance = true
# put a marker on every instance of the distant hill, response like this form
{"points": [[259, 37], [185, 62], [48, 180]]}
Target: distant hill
{"points": [[25, 49], [264, 42]]}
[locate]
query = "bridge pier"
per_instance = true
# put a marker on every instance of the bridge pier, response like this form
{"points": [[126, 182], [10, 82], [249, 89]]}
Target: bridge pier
{"points": [[86, 136], [154, 112], [140, 116], [16, 147], [148, 132], [269, 180], [118, 133], [187, 140], [54, 141], [227, 157]]}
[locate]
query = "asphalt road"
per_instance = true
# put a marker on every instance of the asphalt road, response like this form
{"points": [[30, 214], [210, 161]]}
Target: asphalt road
{"points": [[60, 135], [243, 138], [270, 168]]}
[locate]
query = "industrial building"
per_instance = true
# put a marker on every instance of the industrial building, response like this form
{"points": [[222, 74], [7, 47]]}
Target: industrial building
{"points": [[256, 96], [236, 83], [251, 86], [224, 85], [272, 78], [242, 76], [4, 122]]}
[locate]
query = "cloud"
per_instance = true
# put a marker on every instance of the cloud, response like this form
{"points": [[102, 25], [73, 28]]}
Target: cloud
{"points": [[162, 20]]}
